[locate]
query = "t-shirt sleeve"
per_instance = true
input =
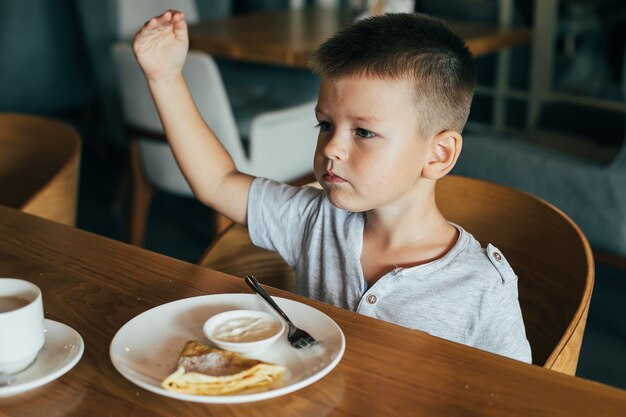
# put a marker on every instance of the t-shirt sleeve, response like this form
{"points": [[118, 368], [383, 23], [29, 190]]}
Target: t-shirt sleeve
{"points": [[501, 327], [279, 216]]}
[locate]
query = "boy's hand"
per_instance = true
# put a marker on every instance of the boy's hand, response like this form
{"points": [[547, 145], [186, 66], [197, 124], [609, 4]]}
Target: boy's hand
{"points": [[161, 46]]}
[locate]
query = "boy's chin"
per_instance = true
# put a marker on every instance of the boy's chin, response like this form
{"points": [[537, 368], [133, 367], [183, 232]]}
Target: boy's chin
{"points": [[345, 204]]}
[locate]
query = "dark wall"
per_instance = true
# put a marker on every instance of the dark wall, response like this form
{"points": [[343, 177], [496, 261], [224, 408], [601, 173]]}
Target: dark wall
{"points": [[44, 66]]}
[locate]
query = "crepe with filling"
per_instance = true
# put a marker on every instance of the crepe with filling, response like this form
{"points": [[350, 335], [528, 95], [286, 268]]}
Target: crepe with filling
{"points": [[204, 370]]}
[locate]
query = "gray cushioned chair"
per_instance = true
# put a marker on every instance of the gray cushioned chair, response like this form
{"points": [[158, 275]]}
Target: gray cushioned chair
{"points": [[593, 194]]}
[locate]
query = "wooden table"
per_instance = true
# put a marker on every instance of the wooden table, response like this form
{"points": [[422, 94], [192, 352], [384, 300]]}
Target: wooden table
{"points": [[288, 37], [96, 285]]}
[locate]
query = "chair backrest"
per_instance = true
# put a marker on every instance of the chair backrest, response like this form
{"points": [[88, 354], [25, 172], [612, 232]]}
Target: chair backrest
{"points": [[132, 14], [207, 89], [232, 252], [546, 249], [548, 252], [39, 166]]}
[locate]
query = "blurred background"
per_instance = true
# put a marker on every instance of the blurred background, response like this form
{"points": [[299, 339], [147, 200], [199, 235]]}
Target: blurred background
{"points": [[564, 95]]}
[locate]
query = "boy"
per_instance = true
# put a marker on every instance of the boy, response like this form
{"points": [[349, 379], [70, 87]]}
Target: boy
{"points": [[394, 96]]}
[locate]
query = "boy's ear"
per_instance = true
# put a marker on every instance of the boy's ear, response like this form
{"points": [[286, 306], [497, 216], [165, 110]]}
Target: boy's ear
{"points": [[445, 150]]}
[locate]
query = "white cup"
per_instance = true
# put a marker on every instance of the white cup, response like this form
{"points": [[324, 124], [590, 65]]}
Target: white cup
{"points": [[21, 324]]}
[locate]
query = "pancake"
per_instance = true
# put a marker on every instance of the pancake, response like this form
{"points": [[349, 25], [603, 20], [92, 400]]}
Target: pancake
{"points": [[204, 370]]}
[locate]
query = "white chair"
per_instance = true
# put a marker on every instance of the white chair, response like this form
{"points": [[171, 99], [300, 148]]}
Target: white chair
{"points": [[104, 22], [251, 88], [281, 143], [131, 14]]}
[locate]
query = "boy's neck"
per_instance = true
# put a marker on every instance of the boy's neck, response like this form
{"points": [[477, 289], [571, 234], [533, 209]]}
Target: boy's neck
{"points": [[404, 239], [395, 233], [405, 223]]}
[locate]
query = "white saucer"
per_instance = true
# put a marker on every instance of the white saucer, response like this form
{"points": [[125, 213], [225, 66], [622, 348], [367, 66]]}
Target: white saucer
{"points": [[62, 349]]}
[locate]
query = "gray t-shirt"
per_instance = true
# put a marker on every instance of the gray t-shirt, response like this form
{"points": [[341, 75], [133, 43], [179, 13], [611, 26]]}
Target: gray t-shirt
{"points": [[468, 296]]}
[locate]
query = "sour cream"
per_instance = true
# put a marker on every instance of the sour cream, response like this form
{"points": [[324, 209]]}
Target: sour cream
{"points": [[245, 329]]}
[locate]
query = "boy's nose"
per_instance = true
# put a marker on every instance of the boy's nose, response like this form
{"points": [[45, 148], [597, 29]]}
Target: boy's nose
{"points": [[335, 150]]}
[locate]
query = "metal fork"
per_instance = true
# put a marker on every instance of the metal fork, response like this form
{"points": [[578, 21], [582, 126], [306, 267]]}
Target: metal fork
{"points": [[297, 337]]}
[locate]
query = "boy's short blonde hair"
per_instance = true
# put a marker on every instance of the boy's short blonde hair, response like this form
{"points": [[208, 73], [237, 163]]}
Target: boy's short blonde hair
{"points": [[414, 47]]}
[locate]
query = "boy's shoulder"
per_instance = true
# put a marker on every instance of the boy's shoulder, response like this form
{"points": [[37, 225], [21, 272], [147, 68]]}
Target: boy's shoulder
{"points": [[287, 197], [500, 264], [271, 191], [486, 264]]}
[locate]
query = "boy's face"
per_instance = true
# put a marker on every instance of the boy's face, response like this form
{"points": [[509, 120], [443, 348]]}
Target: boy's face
{"points": [[368, 154]]}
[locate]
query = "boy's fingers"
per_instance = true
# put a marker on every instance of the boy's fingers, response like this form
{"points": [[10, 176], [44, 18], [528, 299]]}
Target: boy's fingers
{"points": [[150, 24], [172, 14], [167, 18], [179, 22], [178, 16]]}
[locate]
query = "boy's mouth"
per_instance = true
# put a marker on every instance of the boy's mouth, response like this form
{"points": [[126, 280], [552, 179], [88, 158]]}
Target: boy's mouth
{"points": [[333, 178]]}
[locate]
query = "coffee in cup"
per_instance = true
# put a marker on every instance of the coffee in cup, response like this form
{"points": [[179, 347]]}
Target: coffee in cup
{"points": [[21, 324]]}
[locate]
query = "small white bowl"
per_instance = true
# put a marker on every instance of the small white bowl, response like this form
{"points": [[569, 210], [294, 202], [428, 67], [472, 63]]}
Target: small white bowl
{"points": [[243, 331]]}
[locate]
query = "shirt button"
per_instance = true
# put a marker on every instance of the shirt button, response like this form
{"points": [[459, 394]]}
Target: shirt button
{"points": [[497, 256], [371, 299]]}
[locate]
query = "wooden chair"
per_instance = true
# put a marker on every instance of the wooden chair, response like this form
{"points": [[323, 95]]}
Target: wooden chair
{"points": [[39, 166], [549, 253]]}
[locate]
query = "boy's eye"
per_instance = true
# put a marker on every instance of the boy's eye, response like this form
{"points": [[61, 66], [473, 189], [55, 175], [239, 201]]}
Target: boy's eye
{"points": [[324, 126], [363, 133]]}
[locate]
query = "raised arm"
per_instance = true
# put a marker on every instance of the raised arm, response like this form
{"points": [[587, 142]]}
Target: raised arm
{"points": [[161, 49]]}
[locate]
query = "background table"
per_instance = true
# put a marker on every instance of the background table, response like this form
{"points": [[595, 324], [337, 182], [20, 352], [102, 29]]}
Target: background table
{"points": [[288, 37], [96, 285]]}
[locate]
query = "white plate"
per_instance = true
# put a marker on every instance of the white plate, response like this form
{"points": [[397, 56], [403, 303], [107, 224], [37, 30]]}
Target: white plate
{"points": [[146, 348], [62, 349]]}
